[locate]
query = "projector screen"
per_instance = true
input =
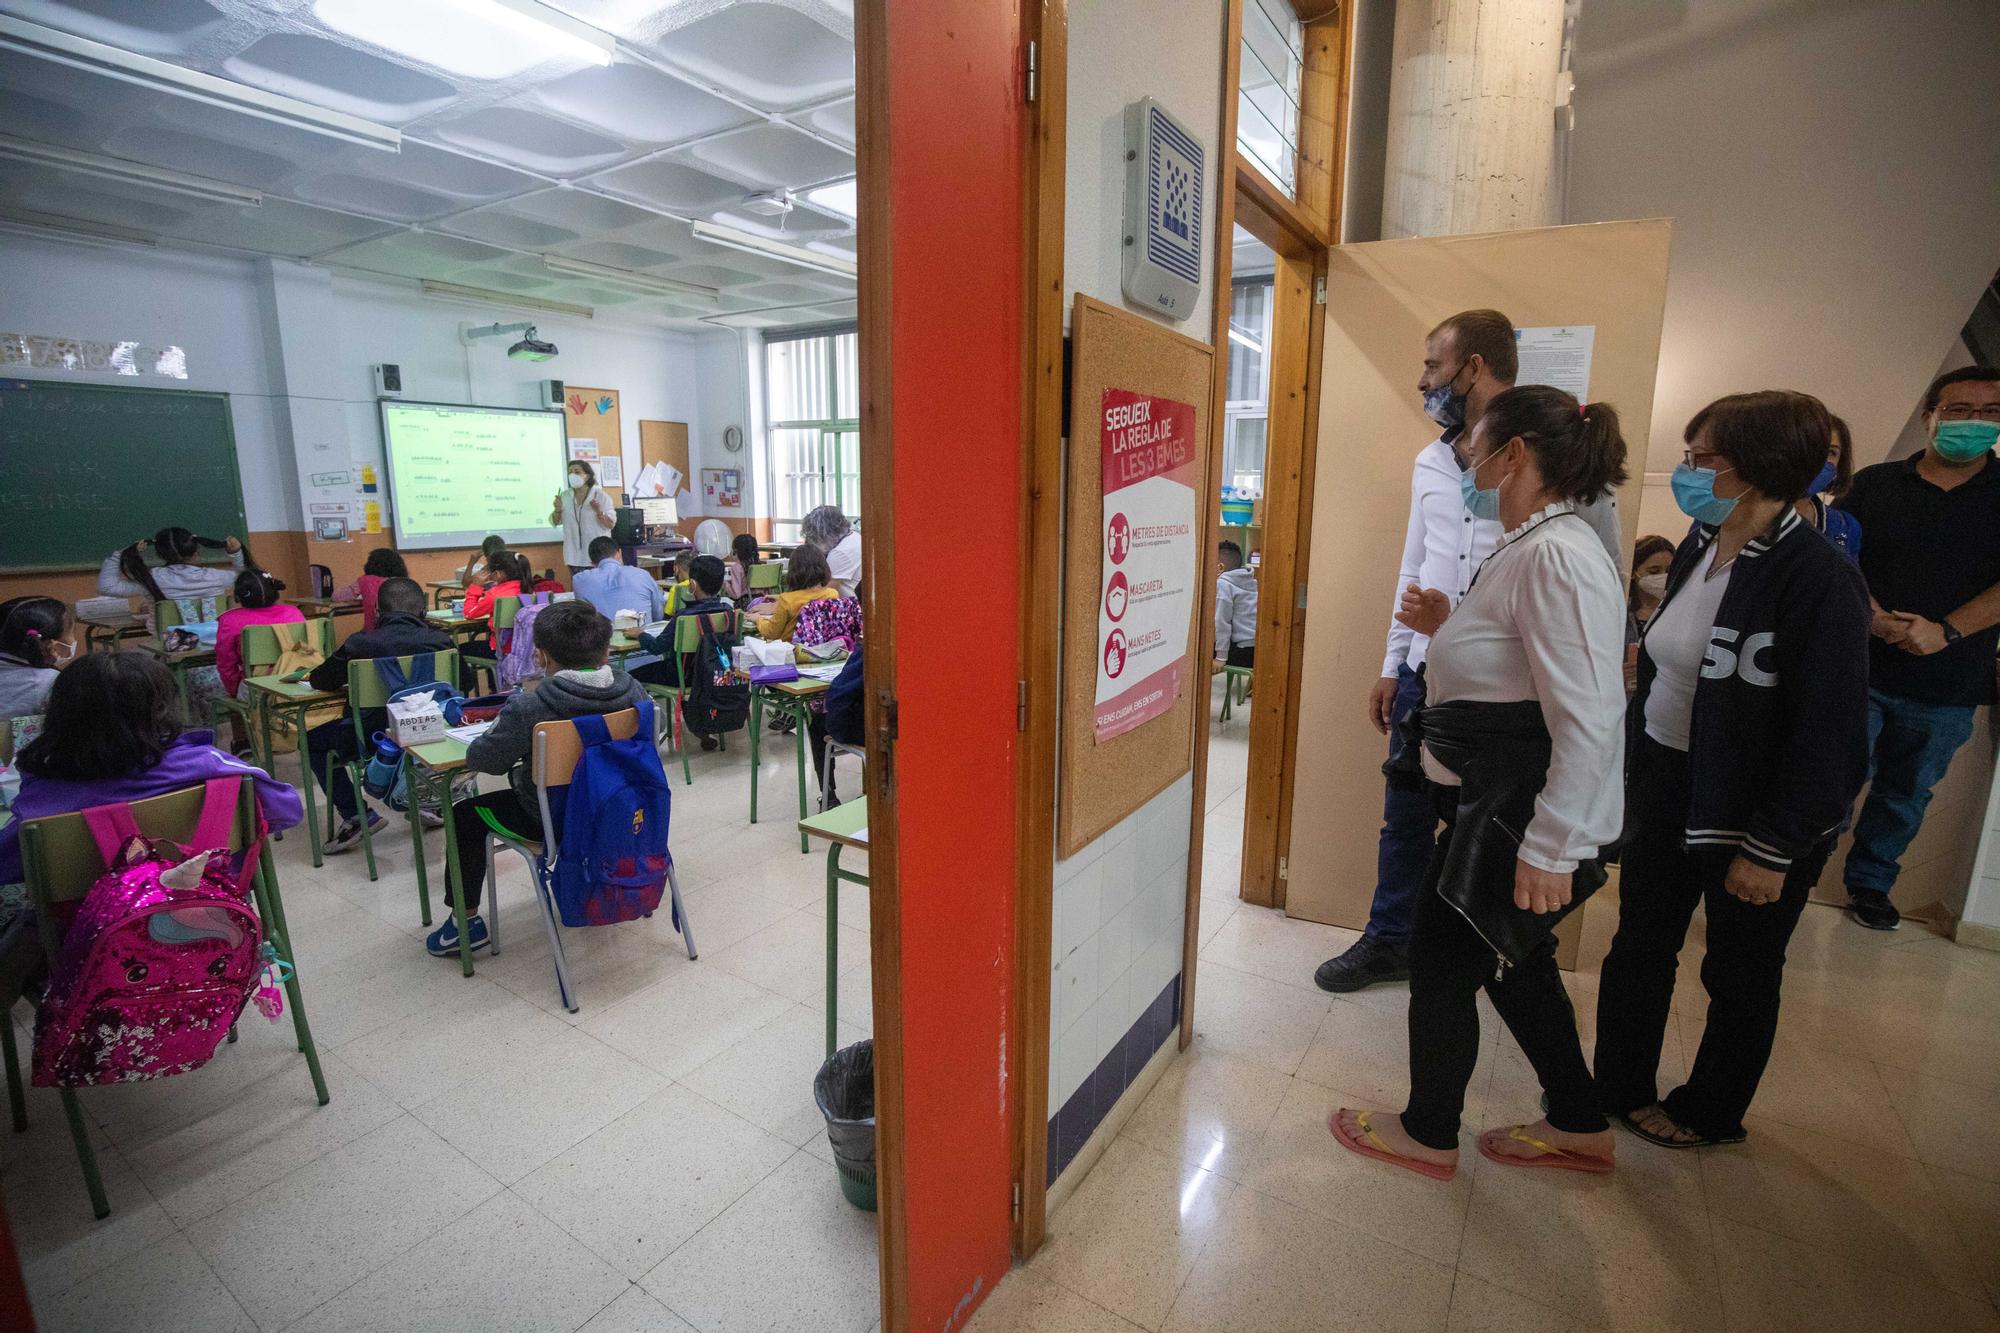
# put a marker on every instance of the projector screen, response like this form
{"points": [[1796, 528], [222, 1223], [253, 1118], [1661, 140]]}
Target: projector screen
{"points": [[458, 473]]}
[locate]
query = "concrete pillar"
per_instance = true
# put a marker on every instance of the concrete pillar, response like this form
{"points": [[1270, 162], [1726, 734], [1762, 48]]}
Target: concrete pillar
{"points": [[1472, 117]]}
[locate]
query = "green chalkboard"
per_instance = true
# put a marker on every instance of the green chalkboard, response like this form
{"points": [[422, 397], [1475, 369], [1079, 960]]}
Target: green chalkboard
{"points": [[88, 468]]}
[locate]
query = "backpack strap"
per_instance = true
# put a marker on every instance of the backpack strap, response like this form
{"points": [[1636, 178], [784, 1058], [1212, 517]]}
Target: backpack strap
{"points": [[218, 813], [111, 827], [590, 729]]}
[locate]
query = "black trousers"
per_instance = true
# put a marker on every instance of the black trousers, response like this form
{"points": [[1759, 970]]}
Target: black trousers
{"points": [[1660, 882], [1242, 654], [1449, 963], [335, 738], [470, 831]]}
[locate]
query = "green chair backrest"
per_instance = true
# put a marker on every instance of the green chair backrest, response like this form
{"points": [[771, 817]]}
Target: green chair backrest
{"points": [[167, 614], [504, 611], [60, 860], [687, 632], [768, 574], [261, 648], [366, 690]]}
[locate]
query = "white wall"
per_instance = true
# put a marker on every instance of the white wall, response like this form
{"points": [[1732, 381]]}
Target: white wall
{"points": [[222, 312], [205, 304], [1831, 172], [1121, 902]]}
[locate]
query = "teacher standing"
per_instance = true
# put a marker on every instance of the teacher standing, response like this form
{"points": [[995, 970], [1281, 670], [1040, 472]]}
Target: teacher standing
{"points": [[586, 514]]}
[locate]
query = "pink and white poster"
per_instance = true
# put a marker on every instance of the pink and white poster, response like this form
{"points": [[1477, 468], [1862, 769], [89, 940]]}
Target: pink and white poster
{"points": [[1145, 605]]}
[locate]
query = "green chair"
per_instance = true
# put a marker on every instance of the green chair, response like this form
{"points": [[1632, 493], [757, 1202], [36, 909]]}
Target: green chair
{"points": [[172, 612], [60, 861], [1235, 683], [261, 651], [687, 638], [766, 576], [366, 690]]}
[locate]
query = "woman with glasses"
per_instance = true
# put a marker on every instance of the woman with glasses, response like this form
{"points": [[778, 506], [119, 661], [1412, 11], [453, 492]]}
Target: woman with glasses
{"points": [[1752, 741], [1521, 736]]}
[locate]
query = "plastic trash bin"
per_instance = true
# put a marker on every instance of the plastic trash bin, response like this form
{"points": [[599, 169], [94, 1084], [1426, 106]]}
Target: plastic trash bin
{"points": [[845, 1091]]}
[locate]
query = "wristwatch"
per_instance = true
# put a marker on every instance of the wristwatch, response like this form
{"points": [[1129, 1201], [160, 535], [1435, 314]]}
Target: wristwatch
{"points": [[1951, 634]]}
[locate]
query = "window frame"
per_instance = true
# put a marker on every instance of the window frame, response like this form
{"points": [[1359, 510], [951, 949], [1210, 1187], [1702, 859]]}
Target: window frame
{"points": [[839, 437]]}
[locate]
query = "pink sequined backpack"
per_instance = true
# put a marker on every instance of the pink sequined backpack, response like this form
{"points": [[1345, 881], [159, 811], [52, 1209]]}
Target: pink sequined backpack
{"points": [[161, 959]]}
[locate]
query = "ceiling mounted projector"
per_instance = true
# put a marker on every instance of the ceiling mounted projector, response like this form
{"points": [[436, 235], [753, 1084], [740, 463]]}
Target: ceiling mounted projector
{"points": [[529, 348]]}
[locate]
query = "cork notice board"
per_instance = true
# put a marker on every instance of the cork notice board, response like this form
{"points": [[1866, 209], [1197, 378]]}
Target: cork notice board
{"points": [[592, 414], [1105, 780]]}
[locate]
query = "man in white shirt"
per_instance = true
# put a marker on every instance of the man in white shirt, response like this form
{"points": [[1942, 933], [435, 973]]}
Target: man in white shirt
{"points": [[612, 586], [1468, 361], [1235, 609]]}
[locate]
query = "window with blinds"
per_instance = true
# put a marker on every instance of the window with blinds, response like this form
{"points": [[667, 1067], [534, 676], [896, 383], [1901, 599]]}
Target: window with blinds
{"points": [[1267, 97], [812, 407]]}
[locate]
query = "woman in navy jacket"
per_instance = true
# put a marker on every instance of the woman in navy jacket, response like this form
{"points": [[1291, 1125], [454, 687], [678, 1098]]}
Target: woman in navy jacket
{"points": [[1750, 743]]}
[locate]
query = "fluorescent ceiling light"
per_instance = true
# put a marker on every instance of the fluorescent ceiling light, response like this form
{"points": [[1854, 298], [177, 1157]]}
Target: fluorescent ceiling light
{"points": [[127, 173], [68, 228], [840, 197], [625, 277], [751, 243], [504, 38], [455, 292], [32, 39]]}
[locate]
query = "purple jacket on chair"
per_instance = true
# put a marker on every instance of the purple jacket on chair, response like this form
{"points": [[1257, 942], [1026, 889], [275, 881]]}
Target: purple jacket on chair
{"points": [[191, 759]]}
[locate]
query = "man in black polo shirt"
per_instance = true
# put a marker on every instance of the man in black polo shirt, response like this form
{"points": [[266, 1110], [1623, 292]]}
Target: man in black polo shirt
{"points": [[1930, 550]]}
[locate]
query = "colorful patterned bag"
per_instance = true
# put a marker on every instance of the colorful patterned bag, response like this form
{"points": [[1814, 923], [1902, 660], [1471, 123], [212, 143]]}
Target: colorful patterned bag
{"points": [[162, 956]]}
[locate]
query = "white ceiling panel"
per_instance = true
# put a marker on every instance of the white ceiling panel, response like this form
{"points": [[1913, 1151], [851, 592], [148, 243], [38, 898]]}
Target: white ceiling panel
{"points": [[529, 139], [773, 56], [325, 73], [770, 155], [639, 104], [669, 185], [510, 150]]}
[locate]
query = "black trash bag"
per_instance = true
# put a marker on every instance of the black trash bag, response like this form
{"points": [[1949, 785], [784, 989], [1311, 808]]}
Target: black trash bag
{"points": [[845, 1091]]}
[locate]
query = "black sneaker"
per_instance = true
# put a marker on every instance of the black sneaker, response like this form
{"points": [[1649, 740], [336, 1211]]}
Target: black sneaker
{"points": [[711, 743], [1366, 963], [1873, 910]]}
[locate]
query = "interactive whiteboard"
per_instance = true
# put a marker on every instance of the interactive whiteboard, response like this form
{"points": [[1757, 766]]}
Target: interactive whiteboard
{"points": [[458, 473]]}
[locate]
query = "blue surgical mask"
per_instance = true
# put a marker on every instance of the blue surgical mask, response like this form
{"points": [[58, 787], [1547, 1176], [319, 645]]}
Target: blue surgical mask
{"points": [[1963, 441], [1694, 492], [1478, 503], [1823, 481], [1444, 404]]}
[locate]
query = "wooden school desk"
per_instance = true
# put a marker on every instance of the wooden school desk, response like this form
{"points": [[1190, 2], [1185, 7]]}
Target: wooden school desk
{"points": [[433, 768], [843, 826], [106, 631], [788, 698], [293, 698], [321, 608], [443, 590]]}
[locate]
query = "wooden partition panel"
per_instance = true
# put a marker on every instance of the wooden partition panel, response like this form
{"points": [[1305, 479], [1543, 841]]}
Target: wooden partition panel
{"points": [[1382, 298]]}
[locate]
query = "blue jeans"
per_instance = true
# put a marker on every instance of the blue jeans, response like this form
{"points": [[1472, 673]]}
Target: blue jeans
{"points": [[1409, 829], [1910, 746]]}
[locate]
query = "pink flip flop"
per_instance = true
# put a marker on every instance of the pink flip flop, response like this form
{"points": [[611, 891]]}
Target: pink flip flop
{"points": [[1559, 1159], [1374, 1147]]}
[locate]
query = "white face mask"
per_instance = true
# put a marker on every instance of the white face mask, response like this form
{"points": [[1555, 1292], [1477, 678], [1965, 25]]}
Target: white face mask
{"points": [[1653, 585], [576, 480], [61, 651]]}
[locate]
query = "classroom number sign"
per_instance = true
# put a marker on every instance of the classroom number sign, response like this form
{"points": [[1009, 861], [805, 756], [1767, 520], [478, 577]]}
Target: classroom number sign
{"points": [[1144, 607]]}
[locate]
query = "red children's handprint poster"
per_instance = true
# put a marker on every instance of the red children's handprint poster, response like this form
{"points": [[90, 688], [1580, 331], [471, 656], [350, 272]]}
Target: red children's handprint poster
{"points": [[1146, 599]]}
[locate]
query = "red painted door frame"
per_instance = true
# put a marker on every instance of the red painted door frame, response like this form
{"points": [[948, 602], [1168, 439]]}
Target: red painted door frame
{"points": [[942, 139]]}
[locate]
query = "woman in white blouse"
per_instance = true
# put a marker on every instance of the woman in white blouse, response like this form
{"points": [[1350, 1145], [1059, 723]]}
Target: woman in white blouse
{"points": [[585, 513], [1526, 680]]}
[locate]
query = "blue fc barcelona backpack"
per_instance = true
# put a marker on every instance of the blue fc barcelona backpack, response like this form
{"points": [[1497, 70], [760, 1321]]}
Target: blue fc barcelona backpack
{"points": [[613, 860]]}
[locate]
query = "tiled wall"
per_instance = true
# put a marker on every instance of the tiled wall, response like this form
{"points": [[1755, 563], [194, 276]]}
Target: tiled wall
{"points": [[1113, 998]]}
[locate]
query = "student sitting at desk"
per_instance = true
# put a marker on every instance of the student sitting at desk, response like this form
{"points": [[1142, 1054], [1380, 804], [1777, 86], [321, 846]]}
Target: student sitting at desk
{"points": [[126, 574], [705, 577], [612, 586], [400, 631], [510, 574], [114, 731], [807, 579], [743, 556], [572, 651], [383, 563], [34, 641], [256, 604], [682, 588], [476, 568]]}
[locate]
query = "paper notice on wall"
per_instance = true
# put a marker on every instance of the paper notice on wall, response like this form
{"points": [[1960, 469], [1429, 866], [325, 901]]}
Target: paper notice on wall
{"points": [[611, 473], [330, 529], [1557, 355], [582, 450], [1146, 598]]}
